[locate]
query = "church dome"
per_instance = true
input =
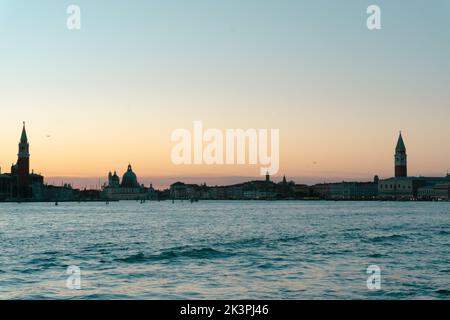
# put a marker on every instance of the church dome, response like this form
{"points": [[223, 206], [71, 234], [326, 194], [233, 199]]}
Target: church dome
{"points": [[129, 179], [115, 177]]}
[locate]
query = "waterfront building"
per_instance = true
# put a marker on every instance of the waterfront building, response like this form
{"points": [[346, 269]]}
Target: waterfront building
{"points": [[128, 189], [60, 193], [184, 191], [354, 190], [301, 191], [347, 190], [434, 192], [320, 190], [5, 186], [412, 187], [251, 190], [217, 193], [403, 187], [20, 184], [400, 187]]}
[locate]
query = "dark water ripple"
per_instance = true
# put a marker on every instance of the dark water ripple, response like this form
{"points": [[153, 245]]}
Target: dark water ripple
{"points": [[203, 253], [225, 250]]}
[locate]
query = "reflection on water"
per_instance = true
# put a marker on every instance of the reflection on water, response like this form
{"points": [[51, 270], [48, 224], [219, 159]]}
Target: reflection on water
{"points": [[225, 250]]}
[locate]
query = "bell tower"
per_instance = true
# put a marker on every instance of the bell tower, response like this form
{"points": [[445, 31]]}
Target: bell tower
{"points": [[23, 167], [400, 159]]}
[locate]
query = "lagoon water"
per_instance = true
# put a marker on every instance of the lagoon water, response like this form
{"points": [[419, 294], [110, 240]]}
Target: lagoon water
{"points": [[225, 250]]}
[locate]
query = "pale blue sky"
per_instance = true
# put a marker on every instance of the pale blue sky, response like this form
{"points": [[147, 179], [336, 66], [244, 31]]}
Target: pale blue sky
{"points": [[310, 68]]}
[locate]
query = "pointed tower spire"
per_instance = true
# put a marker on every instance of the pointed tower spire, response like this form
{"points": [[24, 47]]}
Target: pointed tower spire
{"points": [[400, 144], [23, 144], [23, 137]]}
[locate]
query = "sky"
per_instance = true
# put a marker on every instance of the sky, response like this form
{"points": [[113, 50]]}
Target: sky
{"points": [[112, 93]]}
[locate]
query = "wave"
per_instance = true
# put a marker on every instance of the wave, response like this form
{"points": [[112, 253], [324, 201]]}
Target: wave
{"points": [[42, 263], [176, 253], [443, 292], [211, 251], [390, 238], [243, 243], [290, 239], [375, 255], [258, 242]]}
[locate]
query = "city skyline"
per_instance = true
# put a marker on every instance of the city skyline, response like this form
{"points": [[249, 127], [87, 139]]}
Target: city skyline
{"points": [[337, 92], [399, 170]]}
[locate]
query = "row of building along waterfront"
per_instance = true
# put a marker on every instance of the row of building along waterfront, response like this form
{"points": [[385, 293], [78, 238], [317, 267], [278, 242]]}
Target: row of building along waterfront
{"points": [[22, 185], [399, 187]]}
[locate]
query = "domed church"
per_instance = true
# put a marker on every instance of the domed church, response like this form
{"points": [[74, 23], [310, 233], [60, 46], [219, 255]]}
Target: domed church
{"points": [[128, 189], [129, 179]]}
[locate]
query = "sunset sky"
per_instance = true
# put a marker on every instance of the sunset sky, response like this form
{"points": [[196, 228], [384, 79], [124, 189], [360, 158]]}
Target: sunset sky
{"points": [[114, 91]]}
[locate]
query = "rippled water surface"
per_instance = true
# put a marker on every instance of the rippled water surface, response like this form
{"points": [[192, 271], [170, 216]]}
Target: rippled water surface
{"points": [[225, 250]]}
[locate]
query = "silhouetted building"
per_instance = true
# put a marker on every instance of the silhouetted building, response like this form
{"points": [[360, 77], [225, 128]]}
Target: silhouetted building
{"points": [[59, 193], [301, 191], [403, 187], [128, 189], [113, 180], [439, 191], [19, 184], [5, 186], [251, 190], [409, 187], [184, 191], [320, 190], [401, 169], [23, 167], [346, 190]]}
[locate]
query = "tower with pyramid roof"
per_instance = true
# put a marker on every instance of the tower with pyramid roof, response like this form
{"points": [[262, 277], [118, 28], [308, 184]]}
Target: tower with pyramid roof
{"points": [[400, 159]]}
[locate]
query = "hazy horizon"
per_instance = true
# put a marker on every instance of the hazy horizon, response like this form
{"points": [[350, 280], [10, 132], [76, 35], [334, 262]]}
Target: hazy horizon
{"points": [[160, 182], [163, 182]]}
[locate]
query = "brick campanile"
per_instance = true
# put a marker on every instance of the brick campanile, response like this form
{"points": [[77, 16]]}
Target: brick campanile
{"points": [[401, 168], [23, 167]]}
